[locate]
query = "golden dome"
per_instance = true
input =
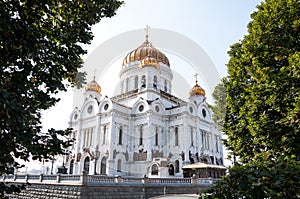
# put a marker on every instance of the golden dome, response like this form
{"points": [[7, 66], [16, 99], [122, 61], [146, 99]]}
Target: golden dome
{"points": [[93, 86], [197, 90], [143, 51]]}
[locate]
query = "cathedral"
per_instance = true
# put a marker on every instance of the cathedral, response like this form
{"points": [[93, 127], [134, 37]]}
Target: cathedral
{"points": [[144, 130]]}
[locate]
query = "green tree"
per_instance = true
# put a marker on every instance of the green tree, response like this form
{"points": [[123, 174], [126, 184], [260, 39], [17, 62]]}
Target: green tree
{"points": [[40, 47], [262, 100], [219, 108]]}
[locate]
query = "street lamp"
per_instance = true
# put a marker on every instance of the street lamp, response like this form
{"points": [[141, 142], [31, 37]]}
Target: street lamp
{"points": [[96, 156]]}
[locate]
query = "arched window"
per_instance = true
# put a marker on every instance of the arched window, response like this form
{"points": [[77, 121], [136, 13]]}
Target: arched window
{"points": [[136, 82], [86, 166], [120, 135], [171, 170], [154, 82], [176, 136], [141, 135], [177, 166], [119, 166], [154, 169], [71, 167], [103, 166], [143, 83]]}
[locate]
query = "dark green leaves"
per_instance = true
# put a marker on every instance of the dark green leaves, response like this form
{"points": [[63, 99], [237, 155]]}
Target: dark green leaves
{"points": [[40, 47]]}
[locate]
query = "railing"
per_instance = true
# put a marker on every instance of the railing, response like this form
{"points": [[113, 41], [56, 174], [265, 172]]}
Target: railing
{"points": [[95, 180]]}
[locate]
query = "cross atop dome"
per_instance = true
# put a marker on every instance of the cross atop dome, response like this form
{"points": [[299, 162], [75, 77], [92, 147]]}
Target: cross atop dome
{"points": [[147, 32], [196, 77]]}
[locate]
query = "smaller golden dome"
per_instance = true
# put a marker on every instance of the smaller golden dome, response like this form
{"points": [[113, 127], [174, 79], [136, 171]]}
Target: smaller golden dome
{"points": [[197, 90], [149, 61], [93, 86]]}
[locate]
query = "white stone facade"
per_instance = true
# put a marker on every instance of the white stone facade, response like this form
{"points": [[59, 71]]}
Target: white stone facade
{"points": [[145, 130]]}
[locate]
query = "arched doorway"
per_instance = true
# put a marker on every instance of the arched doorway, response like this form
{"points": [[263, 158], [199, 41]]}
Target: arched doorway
{"points": [[154, 169], [103, 166], [86, 166], [171, 170]]}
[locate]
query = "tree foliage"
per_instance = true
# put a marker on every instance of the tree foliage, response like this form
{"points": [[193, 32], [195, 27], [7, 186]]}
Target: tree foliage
{"points": [[219, 108], [40, 48], [262, 101]]}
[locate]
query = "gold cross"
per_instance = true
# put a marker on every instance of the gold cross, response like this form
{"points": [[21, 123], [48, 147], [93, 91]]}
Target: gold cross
{"points": [[147, 32]]}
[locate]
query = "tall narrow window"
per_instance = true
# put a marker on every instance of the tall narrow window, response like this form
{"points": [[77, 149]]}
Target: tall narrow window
{"points": [[122, 86], [177, 166], [86, 166], [136, 82], [176, 136], [119, 166], [103, 166], [192, 137], [104, 133], [166, 86], [127, 84], [155, 82], [91, 136], [143, 81], [120, 135], [141, 135], [156, 136]]}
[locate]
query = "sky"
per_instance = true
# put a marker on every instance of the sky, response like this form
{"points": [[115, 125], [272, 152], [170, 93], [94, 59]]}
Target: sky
{"points": [[212, 24]]}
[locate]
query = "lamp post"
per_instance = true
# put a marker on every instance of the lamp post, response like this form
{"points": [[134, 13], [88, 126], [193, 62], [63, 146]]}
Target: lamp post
{"points": [[96, 158]]}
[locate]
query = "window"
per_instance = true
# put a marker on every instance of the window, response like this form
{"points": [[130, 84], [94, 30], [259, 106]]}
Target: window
{"points": [[176, 136], [217, 143], [171, 169], [127, 84], [119, 166], [104, 133], [136, 82], [156, 136], [154, 169], [141, 135], [192, 137], [71, 167], [177, 166], [120, 135], [143, 83], [122, 86], [166, 86], [86, 166], [155, 82], [103, 166]]}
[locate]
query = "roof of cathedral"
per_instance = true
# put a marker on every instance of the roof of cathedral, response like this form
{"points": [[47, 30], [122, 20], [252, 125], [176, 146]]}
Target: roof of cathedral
{"points": [[145, 51], [93, 86], [147, 54]]}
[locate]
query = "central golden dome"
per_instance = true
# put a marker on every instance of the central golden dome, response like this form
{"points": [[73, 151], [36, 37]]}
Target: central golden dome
{"points": [[143, 52]]}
